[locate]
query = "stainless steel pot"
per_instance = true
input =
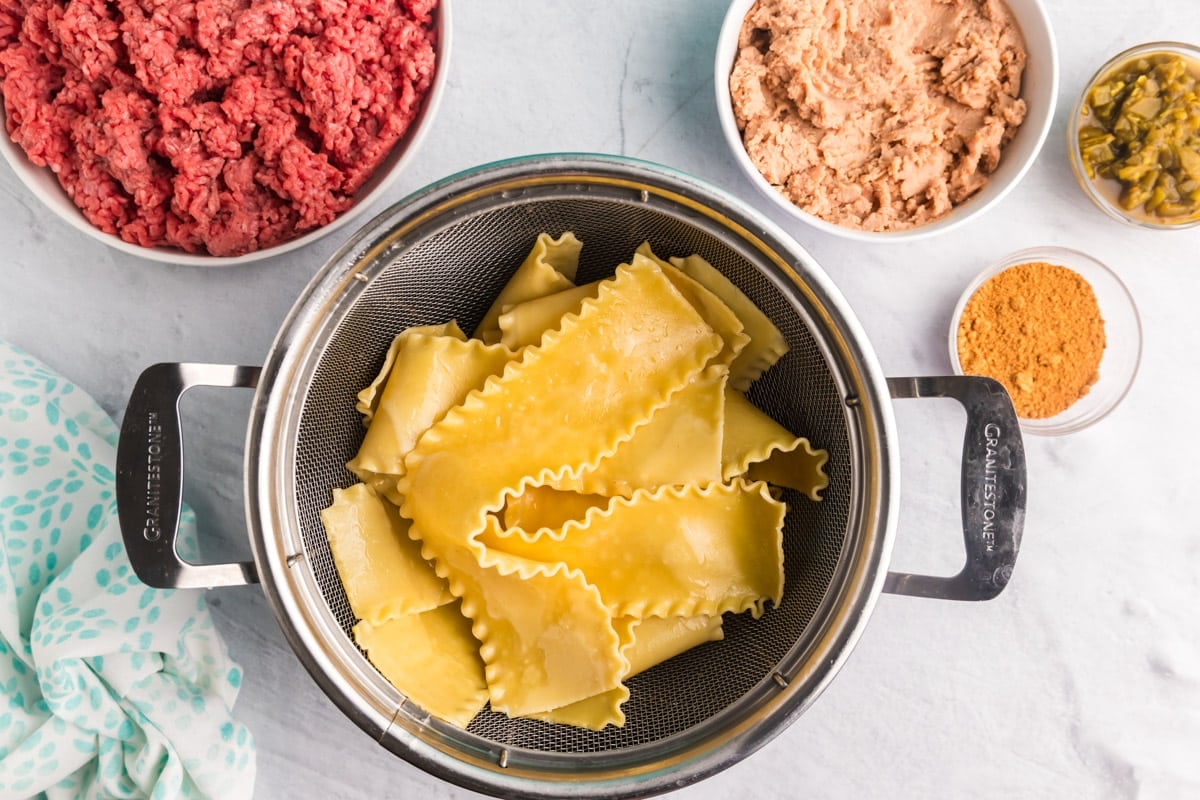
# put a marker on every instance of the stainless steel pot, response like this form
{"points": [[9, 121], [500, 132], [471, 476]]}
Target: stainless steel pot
{"points": [[444, 253]]}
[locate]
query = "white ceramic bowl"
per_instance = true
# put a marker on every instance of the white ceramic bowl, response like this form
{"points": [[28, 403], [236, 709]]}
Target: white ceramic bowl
{"points": [[1039, 90], [42, 183], [1122, 331]]}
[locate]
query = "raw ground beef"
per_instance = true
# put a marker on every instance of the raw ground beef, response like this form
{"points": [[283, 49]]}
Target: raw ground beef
{"points": [[218, 126]]}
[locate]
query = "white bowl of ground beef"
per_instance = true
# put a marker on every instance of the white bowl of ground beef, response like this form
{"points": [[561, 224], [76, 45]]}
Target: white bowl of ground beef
{"points": [[217, 132], [885, 122]]}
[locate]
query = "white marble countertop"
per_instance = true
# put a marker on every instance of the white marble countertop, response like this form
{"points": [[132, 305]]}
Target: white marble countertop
{"points": [[1082, 679]]}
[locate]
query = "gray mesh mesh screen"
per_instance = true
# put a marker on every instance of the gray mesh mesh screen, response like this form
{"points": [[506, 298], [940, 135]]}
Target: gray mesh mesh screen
{"points": [[455, 274]]}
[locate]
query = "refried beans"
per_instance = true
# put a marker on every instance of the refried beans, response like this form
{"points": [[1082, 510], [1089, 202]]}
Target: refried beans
{"points": [[879, 115], [215, 126]]}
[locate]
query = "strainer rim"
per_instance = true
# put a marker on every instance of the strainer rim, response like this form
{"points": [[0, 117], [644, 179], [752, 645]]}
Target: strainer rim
{"points": [[331, 286]]}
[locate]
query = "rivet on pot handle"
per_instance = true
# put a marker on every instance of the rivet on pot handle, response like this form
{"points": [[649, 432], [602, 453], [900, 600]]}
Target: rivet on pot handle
{"points": [[993, 489], [150, 476]]}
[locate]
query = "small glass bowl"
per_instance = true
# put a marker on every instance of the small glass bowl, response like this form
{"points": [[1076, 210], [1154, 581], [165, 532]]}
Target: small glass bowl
{"points": [[1106, 201], [1122, 331]]}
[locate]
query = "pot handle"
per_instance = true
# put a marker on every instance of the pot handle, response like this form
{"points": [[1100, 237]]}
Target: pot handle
{"points": [[993, 489], [150, 476]]}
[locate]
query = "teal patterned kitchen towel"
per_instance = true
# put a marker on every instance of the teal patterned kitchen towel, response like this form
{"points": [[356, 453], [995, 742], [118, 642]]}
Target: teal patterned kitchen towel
{"points": [[110, 689]]}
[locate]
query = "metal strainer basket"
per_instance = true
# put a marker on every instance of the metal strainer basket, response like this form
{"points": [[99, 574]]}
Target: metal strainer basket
{"points": [[443, 254]]}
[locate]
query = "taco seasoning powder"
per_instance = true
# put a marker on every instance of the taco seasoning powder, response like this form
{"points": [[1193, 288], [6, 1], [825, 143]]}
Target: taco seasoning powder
{"points": [[1036, 328]]}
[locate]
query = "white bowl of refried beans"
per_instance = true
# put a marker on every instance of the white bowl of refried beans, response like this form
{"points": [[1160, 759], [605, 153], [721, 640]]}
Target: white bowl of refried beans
{"points": [[222, 132], [885, 120]]}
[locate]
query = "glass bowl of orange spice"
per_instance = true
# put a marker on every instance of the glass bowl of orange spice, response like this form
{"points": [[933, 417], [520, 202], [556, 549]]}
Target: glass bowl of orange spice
{"points": [[1058, 329]]}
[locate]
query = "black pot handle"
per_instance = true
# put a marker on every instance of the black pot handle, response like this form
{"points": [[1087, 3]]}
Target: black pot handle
{"points": [[993, 489], [150, 476]]}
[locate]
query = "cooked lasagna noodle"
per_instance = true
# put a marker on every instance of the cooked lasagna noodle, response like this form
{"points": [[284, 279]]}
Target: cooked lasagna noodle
{"points": [[497, 548]]}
